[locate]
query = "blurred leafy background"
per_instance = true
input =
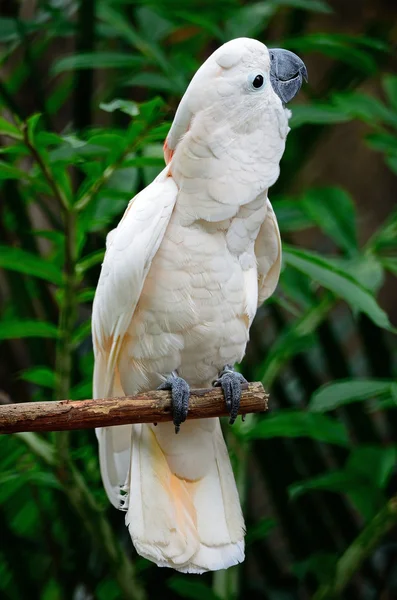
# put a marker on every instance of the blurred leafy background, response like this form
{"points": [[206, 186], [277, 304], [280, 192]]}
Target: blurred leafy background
{"points": [[87, 93]]}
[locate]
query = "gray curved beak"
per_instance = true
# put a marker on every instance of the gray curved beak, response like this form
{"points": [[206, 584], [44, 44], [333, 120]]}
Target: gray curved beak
{"points": [[287, 71]]}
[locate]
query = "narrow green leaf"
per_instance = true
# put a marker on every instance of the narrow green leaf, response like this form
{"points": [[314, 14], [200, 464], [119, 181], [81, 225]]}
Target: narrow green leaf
{"points": [[196, 590], [38, 446], [152, 80], [8, 171], [97, 60], [7, 128], [260, 530], [297, 338], [336, 481], [22, 329], [16, 259], [343, 49], [40, 376], [338, 282], [316, 114], [374, 463], [364, 107], [332, 210], [86, 295], [82, 332], [332, 395], [293, 423], [390, 87], [390, 264], [366, 269], [290, 215], [32, 124], [89, 261]]}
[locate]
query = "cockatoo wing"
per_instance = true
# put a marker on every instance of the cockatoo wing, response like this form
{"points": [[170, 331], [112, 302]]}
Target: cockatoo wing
{"points": [[268, 255], [131, 248]]}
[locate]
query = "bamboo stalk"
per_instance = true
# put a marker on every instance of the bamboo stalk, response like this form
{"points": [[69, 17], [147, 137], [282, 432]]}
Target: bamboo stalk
{"points": [[148, 407]]}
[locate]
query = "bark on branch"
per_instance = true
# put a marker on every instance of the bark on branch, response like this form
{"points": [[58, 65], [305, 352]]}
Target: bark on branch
{"points": [[148, 407]]}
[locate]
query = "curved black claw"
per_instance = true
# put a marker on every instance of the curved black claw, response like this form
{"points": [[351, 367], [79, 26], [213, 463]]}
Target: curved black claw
{"points": [[180, 394], [230, 381]]}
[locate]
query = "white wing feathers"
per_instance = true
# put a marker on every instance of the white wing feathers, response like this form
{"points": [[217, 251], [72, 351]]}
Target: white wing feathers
{"points": [[131, 248], [268, 255], [129, 254]]}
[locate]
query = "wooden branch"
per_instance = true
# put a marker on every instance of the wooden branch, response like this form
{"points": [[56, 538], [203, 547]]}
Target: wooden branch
{"points": [[148, 407]]}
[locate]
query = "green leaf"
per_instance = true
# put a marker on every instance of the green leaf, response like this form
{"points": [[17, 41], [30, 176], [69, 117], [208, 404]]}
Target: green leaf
{"points": [[290, 216], [126, 106], [82, 332], [338, 282], [97, 60], [333, 395], [386, 236], [196, 590], [295, 339], [86, 295], [332, 209], [22, 329], [293, 423], [12, 482], [111, 201], [82, 391], [366, 269], [322, 565], [316, 114], [37, 445], [249, 20], [7, 128], [40, 376], [319, 6], [260, 531], [31, 124], [8, 29], [364, 107], [390, 87], [298, 288], [390, 264], [335, 481], [384, 142], [89, 261], [8, 171], [16, 259], [363, 478], [151, 80], [341, 48], [373, 463]]}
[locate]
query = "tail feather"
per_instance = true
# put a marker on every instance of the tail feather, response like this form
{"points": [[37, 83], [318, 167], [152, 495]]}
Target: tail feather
{"points": [[192, 525]]}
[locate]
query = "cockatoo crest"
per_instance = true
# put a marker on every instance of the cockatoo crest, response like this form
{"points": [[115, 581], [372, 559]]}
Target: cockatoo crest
{"points": [[236, 83]]}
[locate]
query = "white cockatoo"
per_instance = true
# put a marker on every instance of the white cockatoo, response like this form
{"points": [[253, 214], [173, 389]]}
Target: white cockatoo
{"points": [[193, 256]]}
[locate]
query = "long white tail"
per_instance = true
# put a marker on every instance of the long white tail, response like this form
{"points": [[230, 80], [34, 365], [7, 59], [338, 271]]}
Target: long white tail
{"points": [[182, 504]]}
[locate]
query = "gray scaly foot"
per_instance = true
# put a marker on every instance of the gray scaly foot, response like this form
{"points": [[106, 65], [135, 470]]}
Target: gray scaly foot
{"points": [[230, 381], [180, 393]]}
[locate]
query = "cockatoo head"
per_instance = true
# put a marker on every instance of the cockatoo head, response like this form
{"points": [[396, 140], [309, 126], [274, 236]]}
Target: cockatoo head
{"points": [[242, 80]]}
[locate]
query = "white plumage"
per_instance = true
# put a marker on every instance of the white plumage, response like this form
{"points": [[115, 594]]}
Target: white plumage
{"points": [[184, 271]]}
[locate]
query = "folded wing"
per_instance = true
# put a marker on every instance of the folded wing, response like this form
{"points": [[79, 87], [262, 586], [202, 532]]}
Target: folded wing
{"points": [[131, 248]]}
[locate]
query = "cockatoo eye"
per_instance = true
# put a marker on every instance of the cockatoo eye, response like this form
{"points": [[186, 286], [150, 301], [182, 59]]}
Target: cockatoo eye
{"points": [[256, 81]]}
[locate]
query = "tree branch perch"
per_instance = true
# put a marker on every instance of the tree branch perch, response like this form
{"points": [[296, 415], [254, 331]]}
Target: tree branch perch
{"points": [[148, 407]]}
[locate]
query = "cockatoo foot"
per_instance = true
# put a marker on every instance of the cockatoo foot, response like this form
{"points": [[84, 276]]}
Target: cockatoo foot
{"points": [[180, 394], [230, 381]]}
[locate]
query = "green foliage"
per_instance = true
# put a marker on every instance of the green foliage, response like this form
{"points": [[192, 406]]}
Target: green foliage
{"points": [[81, 133]]}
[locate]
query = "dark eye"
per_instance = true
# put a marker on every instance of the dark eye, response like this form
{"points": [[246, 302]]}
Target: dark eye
{"points": [[256, 80]]}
